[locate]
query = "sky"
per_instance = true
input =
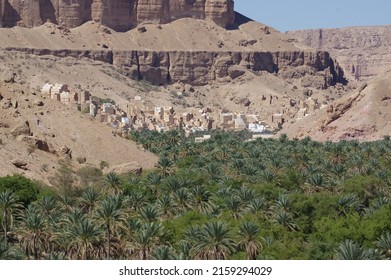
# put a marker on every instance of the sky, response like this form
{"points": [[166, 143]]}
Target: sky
{"points": [[285, 15]]}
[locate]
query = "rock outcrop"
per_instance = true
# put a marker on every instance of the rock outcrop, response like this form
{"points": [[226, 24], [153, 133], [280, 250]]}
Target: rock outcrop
{"points": [[120, 15], [131, 167], [204, 67], [363, 52], [364, 114], [23, 129]]}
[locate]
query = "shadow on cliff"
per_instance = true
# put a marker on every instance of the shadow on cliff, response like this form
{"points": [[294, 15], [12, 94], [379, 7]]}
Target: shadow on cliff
{"points": [[239, 20], [11, 16]]}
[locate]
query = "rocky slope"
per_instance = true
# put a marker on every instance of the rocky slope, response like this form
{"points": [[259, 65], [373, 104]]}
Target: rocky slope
{"points": [[363, 52], [364, 115], [117, 14], [36, 132], [191, 51]]}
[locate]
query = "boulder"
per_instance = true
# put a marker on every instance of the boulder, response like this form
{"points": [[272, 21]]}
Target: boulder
{"points": [[38, 103], [8, 76], [65, 152], [6, 104], [42, 145], [21, 164], [23, 129], [131, 167]]}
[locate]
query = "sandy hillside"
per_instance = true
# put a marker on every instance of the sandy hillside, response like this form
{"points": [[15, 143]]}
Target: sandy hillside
{"points": [[56, 126], [183, 34], [364, 115]]}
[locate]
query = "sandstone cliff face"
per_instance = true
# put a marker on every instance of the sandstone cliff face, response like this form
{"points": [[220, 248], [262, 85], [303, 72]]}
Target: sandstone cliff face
{"points": [[203, 67], [363, 52], [2, 8], [121, 15]]}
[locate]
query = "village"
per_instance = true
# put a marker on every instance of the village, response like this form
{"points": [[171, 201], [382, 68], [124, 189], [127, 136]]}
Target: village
{"points": [[136, 115]]}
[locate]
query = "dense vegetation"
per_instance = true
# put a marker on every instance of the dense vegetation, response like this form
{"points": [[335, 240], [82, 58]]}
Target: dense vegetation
{"points": [[222, 199]]}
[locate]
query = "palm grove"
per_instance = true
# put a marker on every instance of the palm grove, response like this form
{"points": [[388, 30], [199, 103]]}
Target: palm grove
{"points": [[222, 199]]}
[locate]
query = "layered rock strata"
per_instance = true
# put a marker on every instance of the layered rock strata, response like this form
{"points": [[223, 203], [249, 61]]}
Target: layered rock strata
{"points": [[203, 67], [119, 15], [363, 52]]}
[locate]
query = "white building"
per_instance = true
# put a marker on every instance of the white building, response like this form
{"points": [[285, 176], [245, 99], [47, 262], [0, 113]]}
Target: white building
{"points": [[46, 89], [256, 128], [202, 139]]}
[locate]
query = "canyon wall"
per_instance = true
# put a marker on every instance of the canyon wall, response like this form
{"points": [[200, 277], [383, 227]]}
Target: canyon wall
{"points": [[120, 15], [363, 52], [204, 67]]}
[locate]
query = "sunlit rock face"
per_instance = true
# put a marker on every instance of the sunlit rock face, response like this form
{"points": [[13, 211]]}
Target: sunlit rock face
{"points": [[120, 15]]}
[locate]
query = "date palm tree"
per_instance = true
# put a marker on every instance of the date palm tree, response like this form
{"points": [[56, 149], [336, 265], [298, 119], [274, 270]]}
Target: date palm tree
{"points": [[200, 199], [66, 202], [110, 213], [165, 167], [113, 182], [89, 199], [9, 206], [349, 250], [256, 206], [165, 205], [214, 242], [83, 236], [249, 234], [282, 203], [233, 204], [149, 213], [136, 200], [145, 239], [9, 253], [317, 181], [47, 205], [348, 203], [163, 253], [182, 199], [153, 182], [285, 219], [384, 244], [34, 233]]}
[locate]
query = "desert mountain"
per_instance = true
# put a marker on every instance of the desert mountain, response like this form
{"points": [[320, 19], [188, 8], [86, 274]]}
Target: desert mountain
{"points": [[363, 52], [186, 51], [196, 56], [362, 115], [190, 51]]}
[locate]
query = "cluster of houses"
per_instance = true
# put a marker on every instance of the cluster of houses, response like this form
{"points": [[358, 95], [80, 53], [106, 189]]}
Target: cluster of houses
{"points": [[61, 92], [308, 106], [166, 118], [136, 115]]}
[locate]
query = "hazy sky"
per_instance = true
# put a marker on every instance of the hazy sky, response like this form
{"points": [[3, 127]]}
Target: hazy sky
{"points": [[309, 14]]}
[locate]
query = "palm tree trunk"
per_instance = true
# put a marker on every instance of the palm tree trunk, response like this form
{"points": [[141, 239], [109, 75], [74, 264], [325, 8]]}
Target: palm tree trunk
{"points": [[35, 247], [85, 255], [5, 226], [108, 241]]}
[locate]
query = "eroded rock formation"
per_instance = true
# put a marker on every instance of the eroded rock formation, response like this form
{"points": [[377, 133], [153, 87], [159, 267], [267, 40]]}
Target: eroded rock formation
{"points": [[120, 15], [363, 52], [204, 67]]}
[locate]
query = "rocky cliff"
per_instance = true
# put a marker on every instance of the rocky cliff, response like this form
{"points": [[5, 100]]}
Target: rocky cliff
{"points": [[364, 114], [205, 67], [201, 67], [363, 52], [119, 15]]}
